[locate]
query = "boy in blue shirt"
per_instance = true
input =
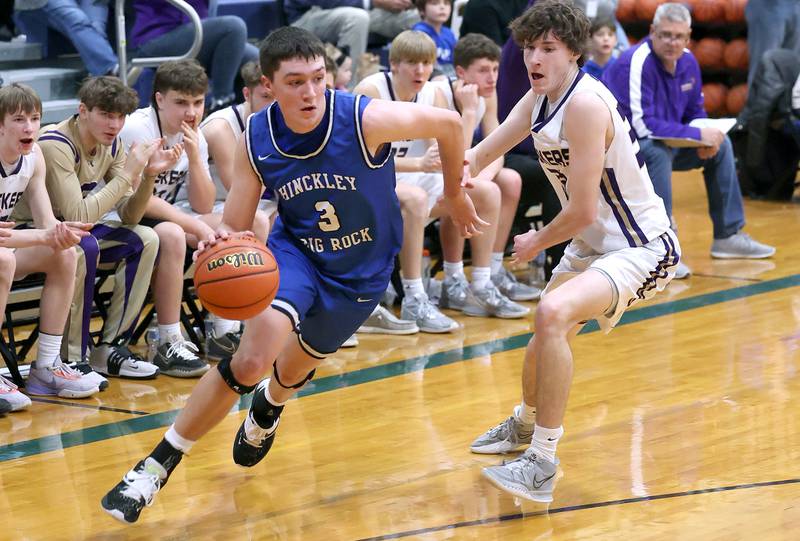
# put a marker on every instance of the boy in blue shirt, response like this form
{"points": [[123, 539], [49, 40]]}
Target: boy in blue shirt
{"points": [[602, 44], [434, 14]]}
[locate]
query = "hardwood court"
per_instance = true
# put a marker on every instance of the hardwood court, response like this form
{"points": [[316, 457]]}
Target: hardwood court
{"points": [[682, 424]]}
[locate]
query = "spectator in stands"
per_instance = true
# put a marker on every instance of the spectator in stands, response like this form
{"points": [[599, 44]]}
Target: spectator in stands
{"points": [[601, 48], [181, 209], [771, 24], [434, 15], [161, 29], [347, 23], [491, 18], [344, 66], [82, 23], [49, 248], [605, 10], [512, 84], [658, 85], [89, 178]]}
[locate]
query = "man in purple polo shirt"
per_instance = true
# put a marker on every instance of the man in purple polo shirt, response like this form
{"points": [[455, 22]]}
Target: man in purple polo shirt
{"points": [[659, 88]]}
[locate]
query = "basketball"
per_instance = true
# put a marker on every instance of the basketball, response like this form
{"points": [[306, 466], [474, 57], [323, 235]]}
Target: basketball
{"points": [[236, 279], [736, 55], [714, 95], [626, 11], [737, 96], [708, 11], [710, 53], [645, 9], [734, 10]]}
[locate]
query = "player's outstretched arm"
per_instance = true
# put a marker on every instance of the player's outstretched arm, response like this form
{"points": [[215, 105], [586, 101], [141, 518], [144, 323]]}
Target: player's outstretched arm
{"points": [[384, 122], [587, 124], [506, 136]]}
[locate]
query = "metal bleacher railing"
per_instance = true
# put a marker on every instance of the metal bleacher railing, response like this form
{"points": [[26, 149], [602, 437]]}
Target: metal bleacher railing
{"points": [[130, 71]]}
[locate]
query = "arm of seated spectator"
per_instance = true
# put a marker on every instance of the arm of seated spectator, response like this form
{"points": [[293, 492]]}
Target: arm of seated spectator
{"points": [[489, 123], [221, 148]]}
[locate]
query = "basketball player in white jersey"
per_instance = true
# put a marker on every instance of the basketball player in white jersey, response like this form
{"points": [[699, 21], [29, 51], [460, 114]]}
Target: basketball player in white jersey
{"points": [[412, 57], [48, 248], [477, 59], [622, 248]]}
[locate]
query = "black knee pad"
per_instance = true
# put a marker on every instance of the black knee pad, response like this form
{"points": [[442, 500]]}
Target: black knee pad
{"points": [[295, 386], [224, 367]]}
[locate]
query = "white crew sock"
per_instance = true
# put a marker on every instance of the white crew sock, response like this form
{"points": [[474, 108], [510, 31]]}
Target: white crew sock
{"points": [[545, 441], [49, 348]]}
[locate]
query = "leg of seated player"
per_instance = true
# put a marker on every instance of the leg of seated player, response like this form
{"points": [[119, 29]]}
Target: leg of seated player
{"points": [[49, 376], [133, 249], [8, 390], [510, 183], [175, 356], [481, 298], [414, 206]]}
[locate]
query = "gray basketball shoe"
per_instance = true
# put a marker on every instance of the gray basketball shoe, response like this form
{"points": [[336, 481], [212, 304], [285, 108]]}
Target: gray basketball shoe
{"points": [[512, 288], [428, 318], [383, 321], [527, 476], [454, 292], [508, 436], [489, 302]]}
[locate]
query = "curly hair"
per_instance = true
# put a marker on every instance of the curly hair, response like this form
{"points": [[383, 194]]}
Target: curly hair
{"points": [[109, 94], [567, 23]]}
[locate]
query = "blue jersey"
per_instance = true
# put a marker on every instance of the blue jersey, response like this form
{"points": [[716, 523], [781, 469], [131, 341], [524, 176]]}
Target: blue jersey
{"points": [[336, 202]]}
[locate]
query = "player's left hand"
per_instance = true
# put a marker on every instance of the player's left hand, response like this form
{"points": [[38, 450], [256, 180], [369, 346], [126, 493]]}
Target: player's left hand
{"points": [[221, 235], [525, 247], [79, 228], [462, 211]]}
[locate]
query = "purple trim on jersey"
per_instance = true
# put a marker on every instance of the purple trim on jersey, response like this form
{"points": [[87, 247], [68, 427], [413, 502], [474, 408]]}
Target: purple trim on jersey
{"points": [[16, 169], [612, 179], [88, 187], [670, 259], [539, 125], [114, 148], [55, 135], [238, 117], [91, 253]]}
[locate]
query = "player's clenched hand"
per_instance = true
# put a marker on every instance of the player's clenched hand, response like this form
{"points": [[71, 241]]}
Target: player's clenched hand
{"points": [[463, 213], [61, 236], [191, 140], [219, 236], [431, 161], [79, 228], [525, 247], [466, 96]]}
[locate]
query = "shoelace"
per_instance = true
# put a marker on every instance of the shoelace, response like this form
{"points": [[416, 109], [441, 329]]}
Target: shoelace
{"points": [[7, 385], [118, 356], [66, 371], [183, 349], [427, 310], [141, 485], [457, 287], [254, 434]]}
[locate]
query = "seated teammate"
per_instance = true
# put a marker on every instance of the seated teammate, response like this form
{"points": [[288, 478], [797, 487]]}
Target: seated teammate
{"points": [[49, 248]]}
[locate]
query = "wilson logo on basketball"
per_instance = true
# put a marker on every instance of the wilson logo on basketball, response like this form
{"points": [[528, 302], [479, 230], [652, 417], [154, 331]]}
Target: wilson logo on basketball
{"points": [[240, 259]]}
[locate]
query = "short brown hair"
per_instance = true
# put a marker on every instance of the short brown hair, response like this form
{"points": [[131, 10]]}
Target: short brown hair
{"points": [[567, 23], [600, 23], [251, 74], [420, 4], [17, 97], [473, 47], [412, 46], [184, 76], [108, 94], [286, 43]]}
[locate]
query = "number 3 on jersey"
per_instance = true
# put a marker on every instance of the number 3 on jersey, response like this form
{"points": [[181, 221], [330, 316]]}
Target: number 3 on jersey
{"points": [[328, 220]]}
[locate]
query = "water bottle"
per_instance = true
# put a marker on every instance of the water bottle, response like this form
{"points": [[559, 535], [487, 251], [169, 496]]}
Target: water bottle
{"points": [[151, 339], [426, 268]]}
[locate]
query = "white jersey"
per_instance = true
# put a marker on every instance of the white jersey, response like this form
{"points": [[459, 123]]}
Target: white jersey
{"points": [[143, 126], [14, 180], [233, 115], [411, 148], [629, 213]]}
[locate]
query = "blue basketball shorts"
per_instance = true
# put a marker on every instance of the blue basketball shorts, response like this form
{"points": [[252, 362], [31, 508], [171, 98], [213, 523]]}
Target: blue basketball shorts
{"points": [[323, 312]]}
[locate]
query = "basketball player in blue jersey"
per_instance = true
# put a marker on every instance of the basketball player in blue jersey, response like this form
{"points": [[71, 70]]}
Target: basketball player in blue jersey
{"points": [[327, 156], [622, 248]]}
